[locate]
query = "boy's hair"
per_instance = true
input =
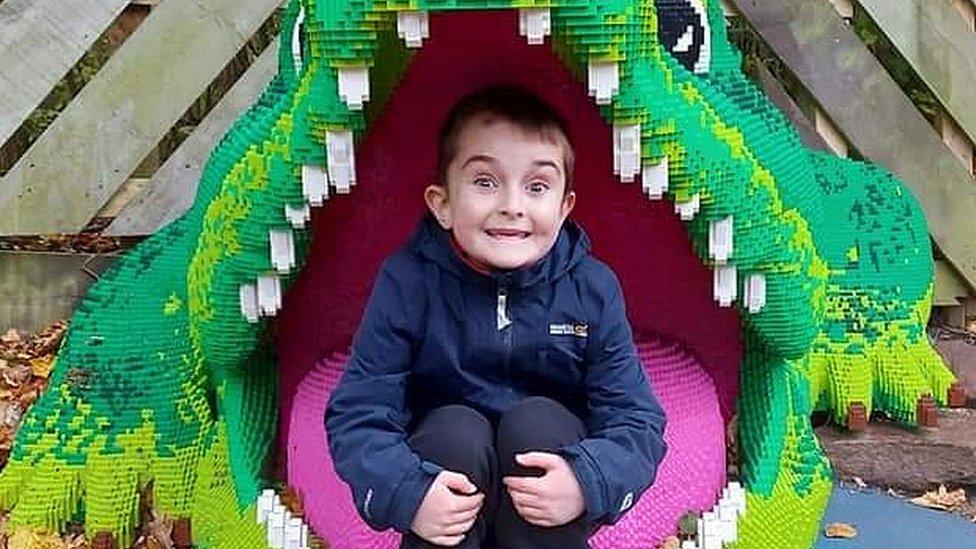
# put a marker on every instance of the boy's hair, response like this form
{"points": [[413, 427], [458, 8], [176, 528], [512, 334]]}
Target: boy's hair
{"points": [[518, 106]]}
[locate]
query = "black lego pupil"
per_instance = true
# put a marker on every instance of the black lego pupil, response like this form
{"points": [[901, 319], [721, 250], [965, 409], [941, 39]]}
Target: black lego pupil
{"points": [[673, 19]]}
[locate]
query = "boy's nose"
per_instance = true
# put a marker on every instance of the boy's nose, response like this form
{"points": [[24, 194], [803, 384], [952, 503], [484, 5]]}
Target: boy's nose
{"points": [[512, 203]]}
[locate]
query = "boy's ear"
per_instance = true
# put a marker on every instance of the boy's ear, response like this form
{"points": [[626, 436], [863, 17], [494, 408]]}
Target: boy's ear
{"points": [[435, 196], [569, 202]]}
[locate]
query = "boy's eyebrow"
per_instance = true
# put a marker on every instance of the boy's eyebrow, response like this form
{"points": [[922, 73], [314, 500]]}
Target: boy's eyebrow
{"points": [[481, 158], [492, 160], [549, 163]]}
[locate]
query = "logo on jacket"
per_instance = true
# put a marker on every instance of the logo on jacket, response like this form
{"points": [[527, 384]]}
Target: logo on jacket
{"points": [[578, 330]]}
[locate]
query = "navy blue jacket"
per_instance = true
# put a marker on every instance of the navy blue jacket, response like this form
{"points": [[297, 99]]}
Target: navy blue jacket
{"points": [[435, 331]]}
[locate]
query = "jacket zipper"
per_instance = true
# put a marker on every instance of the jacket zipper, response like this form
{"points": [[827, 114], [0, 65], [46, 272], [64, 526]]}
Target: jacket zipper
{"points": [[503, 321]]}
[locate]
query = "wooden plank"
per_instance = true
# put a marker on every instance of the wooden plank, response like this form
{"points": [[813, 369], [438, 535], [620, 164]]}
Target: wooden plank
{"points": [[937, 44], [173, 187], [100, 138], [39, 288], [40, 41], [950, 288], [874, 115]]}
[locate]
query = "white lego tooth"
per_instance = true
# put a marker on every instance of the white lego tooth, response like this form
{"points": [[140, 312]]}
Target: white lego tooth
{"points": [[626, 151], [413, 27], [711, 534], [535, 24], [282, 249], [315, 184], [293, 533], [269, 295], [266, 499], [727, 518], [248, 295], [737, 493], [688, 209], [341, 159], [724, 284], [603, 78], [299, 216], [654, 179], [754, 296], [720, 239], [276, 528], [354, 86]]}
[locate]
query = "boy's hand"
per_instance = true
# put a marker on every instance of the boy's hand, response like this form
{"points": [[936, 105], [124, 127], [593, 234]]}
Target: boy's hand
{"points": [[449, 509], [550, 500]]}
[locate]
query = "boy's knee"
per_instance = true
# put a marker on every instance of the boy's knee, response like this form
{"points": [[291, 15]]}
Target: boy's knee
{"points": [[538, 423], [458, 420], [457, 438]]}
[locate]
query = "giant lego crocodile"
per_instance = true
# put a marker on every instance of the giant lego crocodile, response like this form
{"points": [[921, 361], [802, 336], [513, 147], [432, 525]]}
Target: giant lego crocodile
{"points": [[829, 258]]}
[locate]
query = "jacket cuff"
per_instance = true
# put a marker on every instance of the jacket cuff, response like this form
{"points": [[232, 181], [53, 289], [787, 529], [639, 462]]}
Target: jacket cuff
{"points": [[410, 494], [591, 482]]}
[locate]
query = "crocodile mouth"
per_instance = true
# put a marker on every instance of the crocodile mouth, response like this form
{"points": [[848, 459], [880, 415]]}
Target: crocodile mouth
{"points": [[667, 287]]}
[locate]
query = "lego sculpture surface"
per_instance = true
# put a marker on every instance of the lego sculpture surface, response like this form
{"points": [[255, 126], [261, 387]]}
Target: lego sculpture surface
{"points": [[817, 269]]}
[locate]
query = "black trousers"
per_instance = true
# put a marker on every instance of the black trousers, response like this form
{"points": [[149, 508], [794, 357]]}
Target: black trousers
{"points": [[461, 439]]}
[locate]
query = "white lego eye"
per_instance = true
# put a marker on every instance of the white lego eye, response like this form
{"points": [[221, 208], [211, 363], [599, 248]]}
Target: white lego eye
{"points": [[682, 28], [297, 38]]}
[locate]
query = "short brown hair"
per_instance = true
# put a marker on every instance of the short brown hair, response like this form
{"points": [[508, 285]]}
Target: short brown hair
{"points": [[524, 109]]}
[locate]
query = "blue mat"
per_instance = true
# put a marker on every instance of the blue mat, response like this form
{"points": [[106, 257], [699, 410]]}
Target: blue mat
{"points": [[885, 522]]}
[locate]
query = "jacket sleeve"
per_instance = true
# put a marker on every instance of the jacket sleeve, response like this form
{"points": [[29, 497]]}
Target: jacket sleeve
{"points": [[618, 459], [366, 417]]}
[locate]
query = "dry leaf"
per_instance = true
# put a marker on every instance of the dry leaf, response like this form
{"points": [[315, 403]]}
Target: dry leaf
{"points": [[11, 415], [670, 542], [16, 375], [76, 541], [25, 538], [840, 530], [941, 499], [12, 336], [160, 530], [41, 367]]}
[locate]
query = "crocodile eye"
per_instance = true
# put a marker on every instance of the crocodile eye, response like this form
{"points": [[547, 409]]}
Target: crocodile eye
{"points": [[297, 40], [682, 28]]}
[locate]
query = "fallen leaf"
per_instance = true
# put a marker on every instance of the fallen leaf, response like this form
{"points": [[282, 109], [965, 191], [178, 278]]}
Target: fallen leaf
{"points": [[41, 367], [670, 542], [160, 531], [941, 499], [25, 538], [840, 530], [11, 415], [11, 336], [16, 374]]}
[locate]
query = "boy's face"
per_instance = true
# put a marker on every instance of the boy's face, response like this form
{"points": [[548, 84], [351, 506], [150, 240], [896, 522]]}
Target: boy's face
{"points": [[504, 200]]}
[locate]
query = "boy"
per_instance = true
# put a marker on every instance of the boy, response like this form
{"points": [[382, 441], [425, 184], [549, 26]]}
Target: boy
{"points": [[494, 393]]}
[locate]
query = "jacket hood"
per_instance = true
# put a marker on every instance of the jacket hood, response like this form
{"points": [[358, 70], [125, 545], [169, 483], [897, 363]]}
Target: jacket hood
{"points": [[433, 242]]}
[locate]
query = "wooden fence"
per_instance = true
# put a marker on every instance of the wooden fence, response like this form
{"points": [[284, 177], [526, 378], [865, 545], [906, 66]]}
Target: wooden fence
{"points": [[100, 158]]}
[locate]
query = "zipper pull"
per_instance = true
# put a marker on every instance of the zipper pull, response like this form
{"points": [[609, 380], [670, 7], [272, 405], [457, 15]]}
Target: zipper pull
{"points": [[501, 315]]}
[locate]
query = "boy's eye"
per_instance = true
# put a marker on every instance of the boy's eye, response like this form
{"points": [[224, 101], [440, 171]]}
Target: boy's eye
{"points": [[484, 182], [538, 187]]}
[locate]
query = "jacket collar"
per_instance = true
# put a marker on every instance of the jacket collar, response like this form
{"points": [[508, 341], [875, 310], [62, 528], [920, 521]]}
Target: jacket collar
{"points": [[433, 242]]}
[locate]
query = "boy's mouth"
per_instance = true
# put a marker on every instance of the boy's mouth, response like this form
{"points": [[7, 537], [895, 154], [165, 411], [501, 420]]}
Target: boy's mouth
{"points": [[507, 234]]}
